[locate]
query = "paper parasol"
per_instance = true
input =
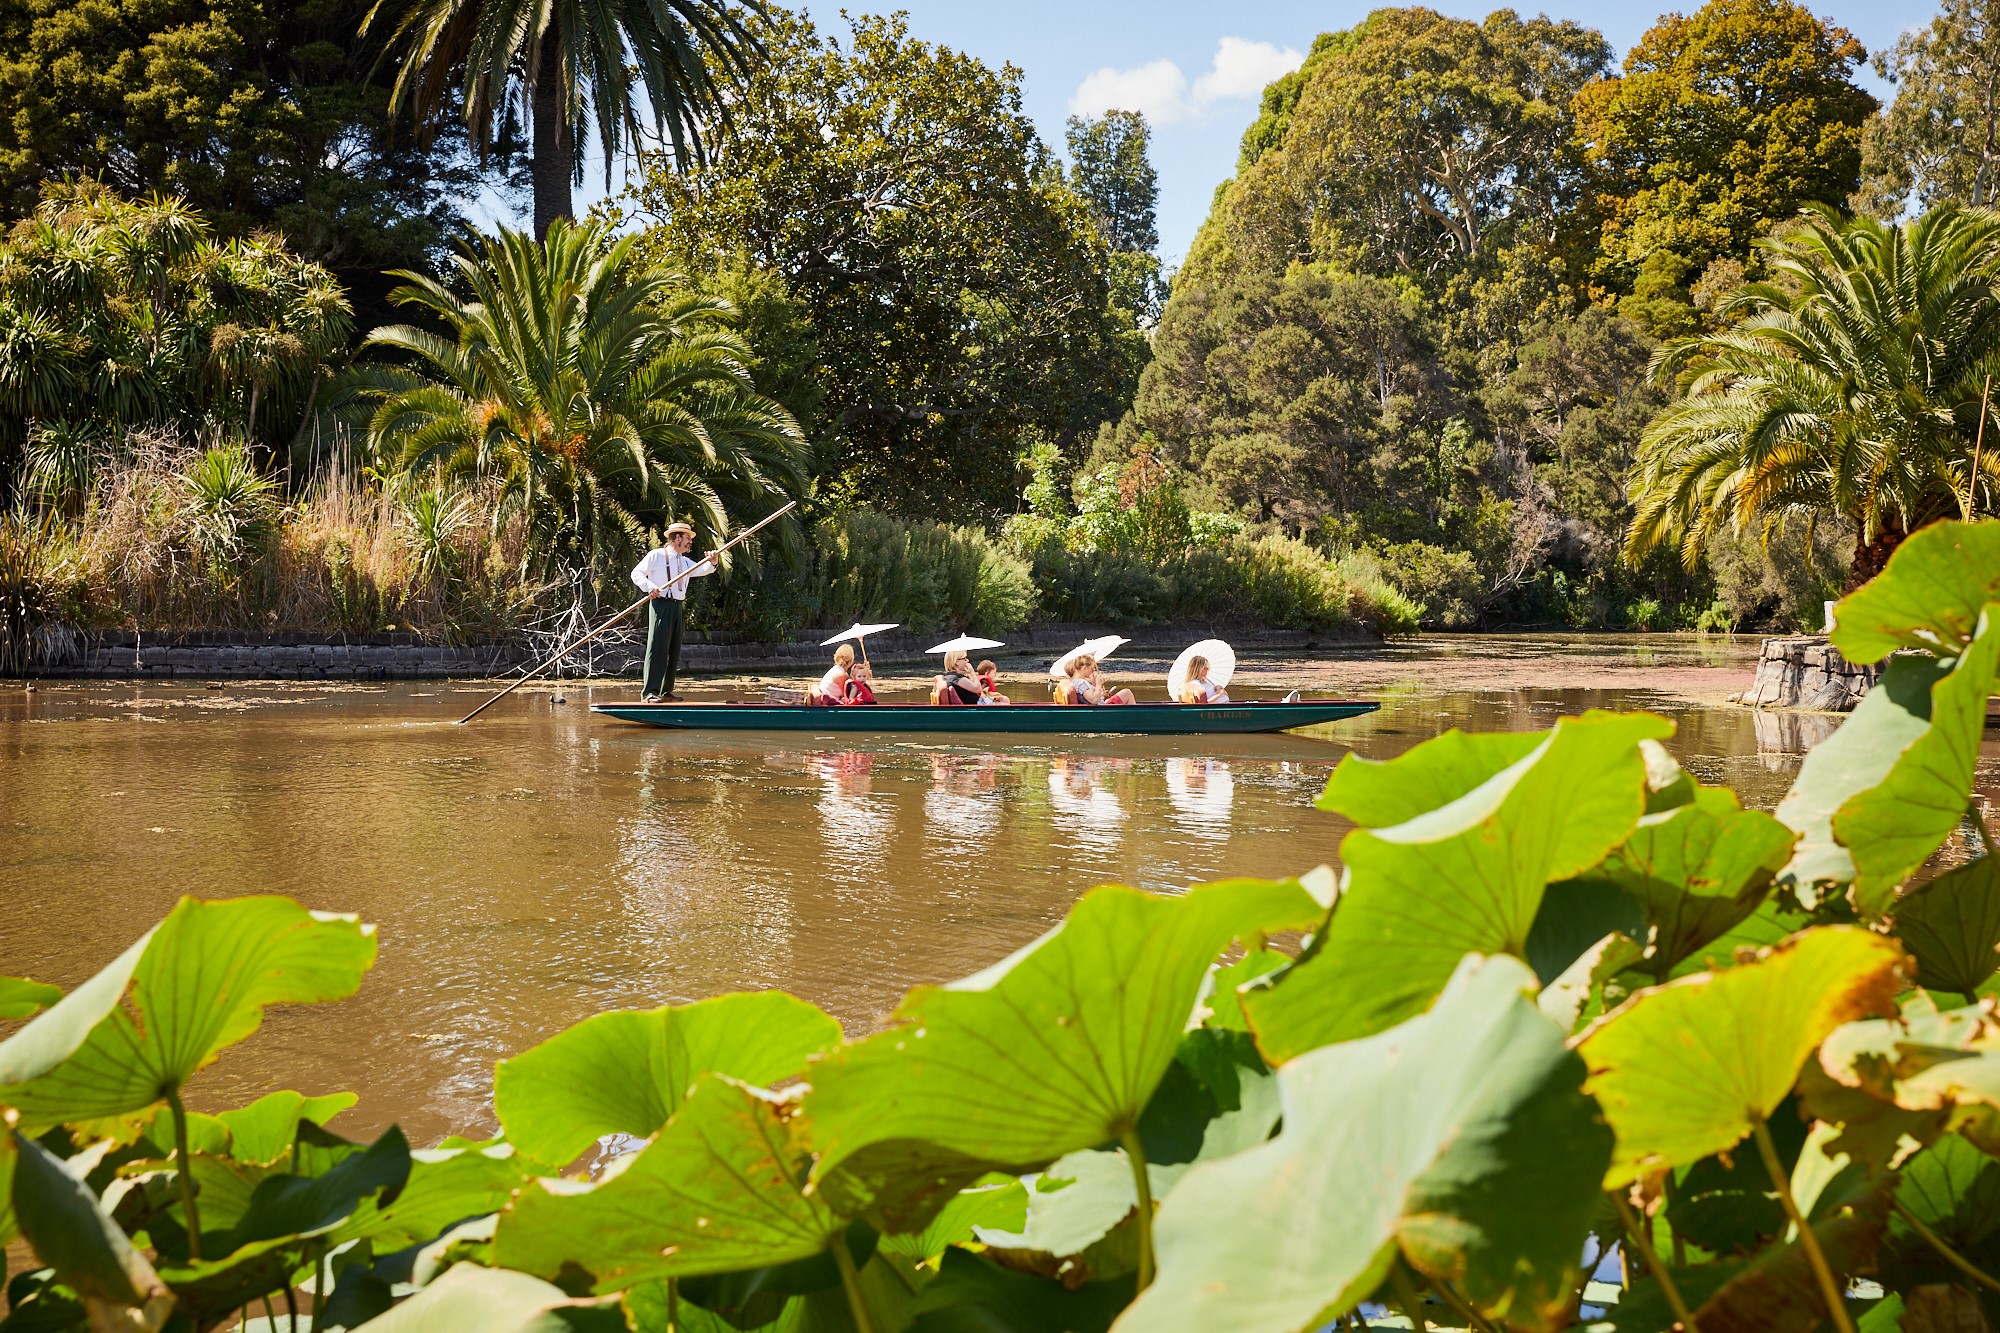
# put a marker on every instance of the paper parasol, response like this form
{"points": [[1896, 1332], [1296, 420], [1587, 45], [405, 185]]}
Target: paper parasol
{"points": [[1097, 648], [965, 643], [1221, 666], [854, 632]]}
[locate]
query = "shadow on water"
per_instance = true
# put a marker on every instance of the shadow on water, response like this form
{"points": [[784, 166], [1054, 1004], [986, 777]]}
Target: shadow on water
{"points": [[544, 864]]}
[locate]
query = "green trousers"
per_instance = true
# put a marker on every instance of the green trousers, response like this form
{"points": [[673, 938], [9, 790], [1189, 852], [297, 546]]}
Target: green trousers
{"points": [[663, 644]]}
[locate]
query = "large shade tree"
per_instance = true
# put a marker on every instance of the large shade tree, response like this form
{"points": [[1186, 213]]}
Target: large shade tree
{"points": [[600, 394], [1850, 383], [612, 62]]}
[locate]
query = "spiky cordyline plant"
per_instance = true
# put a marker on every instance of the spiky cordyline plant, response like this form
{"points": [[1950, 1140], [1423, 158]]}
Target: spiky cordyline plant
{"points": [[601, 395], [1850, 383]]}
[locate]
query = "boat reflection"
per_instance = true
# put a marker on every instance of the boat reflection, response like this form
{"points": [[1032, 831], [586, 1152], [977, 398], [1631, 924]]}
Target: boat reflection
{"points": [[962, 806], [855, 821], [1083, 799]]}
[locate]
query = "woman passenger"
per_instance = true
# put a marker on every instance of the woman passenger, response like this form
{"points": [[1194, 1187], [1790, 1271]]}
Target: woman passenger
{"points": [[1086, 686], [959, 685], [832, 688], [1199, 689]]}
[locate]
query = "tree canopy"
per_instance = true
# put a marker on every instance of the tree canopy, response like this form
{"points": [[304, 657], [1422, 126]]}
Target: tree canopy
{"points": [[953, 285], [1939, 140]]}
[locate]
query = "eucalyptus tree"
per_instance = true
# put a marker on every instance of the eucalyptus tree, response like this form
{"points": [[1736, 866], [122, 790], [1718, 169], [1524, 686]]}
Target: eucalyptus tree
{"points": [[603, 60], [1852, 382], [599, 394]]}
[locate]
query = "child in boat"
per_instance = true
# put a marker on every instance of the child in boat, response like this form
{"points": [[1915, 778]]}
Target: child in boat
{"points": [[860, 685], [989, 680], [1086, 685], [1199, 688], [832, 687]]}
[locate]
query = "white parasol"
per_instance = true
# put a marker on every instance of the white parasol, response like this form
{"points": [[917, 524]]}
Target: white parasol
{"points": [[1221, 666], [1097, 648], [965, 643], [858, 633]]}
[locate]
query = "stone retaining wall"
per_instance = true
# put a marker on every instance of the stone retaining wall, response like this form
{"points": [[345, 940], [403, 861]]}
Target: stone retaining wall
{"points": [[231, 656], [1807, 672]]}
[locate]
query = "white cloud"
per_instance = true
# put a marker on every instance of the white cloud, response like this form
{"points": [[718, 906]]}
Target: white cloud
{"points": [[1242, 68], [1161, 91]]}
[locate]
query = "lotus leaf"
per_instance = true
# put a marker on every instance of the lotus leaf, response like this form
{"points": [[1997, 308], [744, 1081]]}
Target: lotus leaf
{"points": [[998, 1204], [721, 1189], [1467, 877], [1682, 1070], [1575, 916], [1697, 870], [626, 1072], [1954, 1190], [1952, 927], [1881, 794], [1459, 1140], [62, 1220], [1776, 1292], [446, 1186], [264, 1131], [1378, 793], [195, 984], [22, 998], [1928, 597], [971, 1295], [471, 1299], [287, 1214], [1925, 1061], [1056, 1049]]}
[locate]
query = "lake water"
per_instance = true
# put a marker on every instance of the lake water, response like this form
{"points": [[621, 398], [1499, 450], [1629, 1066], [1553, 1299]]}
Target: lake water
{"points": [[543, 864]]}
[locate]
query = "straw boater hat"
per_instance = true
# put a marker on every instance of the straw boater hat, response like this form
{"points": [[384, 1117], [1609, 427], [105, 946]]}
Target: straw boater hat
{"points": [[675, 529]]}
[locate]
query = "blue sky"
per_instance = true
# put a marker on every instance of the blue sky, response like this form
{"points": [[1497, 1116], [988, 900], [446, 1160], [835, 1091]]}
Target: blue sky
{"points": [[1198, 69]]}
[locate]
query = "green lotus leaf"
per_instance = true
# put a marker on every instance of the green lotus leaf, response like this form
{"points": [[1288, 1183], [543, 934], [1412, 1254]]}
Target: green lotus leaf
{"points": [[972, 1295], [287, 1213], [1925, 1061], [22, 998], [1056, 1049], [1575, 916], [626, 1072], [168, 1006], [9, 1228], [1460, 1140], [1377, 793], [471, 1299], [446, 1186], [1681, 1069], [71, 1233], [1224, 998], [1697, 870], [1467, 877], [998, 1204], [1951, 926], [1927, 597], [263, 1132], [721, 1188], [1877, 797], [1775, 1291], [1954, 1190], [1577, 993], [1775, 921]]}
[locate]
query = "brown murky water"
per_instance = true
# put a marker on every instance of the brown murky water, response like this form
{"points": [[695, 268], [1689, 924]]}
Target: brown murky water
{"points": [[544, 864]]}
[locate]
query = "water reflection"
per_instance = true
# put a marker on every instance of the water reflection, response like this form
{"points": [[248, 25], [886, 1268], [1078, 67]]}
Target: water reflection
{"points": [[962, 807], [855, 822], [1202, 792], [1084, 799], [1784, 738]]}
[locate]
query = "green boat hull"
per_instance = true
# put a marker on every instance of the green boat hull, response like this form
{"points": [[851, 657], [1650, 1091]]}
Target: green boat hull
{"points": [[1145, 719]]}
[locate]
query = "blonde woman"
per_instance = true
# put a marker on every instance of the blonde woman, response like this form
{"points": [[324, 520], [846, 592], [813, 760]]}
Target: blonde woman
{"points": [[960, 684], [1086, 685], [1199, 688], [832, 688]]}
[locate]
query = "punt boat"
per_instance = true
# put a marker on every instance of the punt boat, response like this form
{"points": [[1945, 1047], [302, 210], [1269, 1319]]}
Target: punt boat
{"points": [[1032, 719]]}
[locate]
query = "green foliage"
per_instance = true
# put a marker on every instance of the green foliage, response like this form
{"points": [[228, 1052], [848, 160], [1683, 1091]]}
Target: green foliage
{"points": [[940, 264], [122, 314], [1773, 425], [1109, 168], [1553, 986], [599, 396], [1720, 123], [258, 116], [1936, 140]]}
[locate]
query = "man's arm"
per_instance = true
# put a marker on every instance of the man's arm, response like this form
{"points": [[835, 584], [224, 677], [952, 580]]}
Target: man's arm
{"points": [[642, 580]]}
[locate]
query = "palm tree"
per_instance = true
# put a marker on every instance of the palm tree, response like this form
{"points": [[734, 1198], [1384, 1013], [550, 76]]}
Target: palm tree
{"points": [[602, 397], [1851, 383], [560, 62]]}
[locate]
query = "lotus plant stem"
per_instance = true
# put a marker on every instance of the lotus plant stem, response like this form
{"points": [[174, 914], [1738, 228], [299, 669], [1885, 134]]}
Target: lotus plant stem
{"points": [[673, 1305], [851, 1280], [1135, 1153], [1461, 1307], [291, 1309], [181, 1165], [1943, 1247], [1408, 1296], [1639, 1242], [1829, 1289], [1680, 1246]]}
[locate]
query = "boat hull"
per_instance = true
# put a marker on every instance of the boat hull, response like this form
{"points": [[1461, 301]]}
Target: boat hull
{"points": [[1145, 719]]}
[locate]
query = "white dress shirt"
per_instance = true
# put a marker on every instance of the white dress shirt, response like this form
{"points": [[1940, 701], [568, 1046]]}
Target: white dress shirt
{"points": [[653, 573]]}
